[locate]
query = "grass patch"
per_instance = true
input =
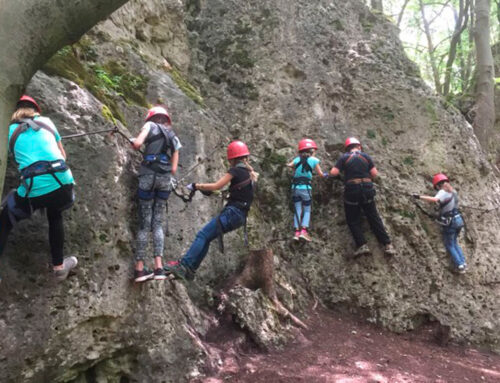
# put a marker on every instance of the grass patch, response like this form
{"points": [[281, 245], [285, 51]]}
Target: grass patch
{"points": [[409, 160], [370, 133]]}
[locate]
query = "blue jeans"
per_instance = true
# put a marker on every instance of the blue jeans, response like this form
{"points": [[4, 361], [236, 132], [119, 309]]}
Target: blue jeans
{"points": [[230, 218], [301, 199], [450, 235]]}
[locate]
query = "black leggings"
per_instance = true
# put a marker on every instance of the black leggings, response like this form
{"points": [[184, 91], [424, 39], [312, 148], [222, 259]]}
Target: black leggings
{"points": [[360, 198], [55, 202]]}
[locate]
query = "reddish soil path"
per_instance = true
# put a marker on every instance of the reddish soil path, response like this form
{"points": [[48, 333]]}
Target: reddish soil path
{"points": [[339, 349]]}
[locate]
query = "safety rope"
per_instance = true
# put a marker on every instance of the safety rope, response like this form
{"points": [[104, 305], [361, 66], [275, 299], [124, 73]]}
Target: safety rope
{"points": [[114, 130]]}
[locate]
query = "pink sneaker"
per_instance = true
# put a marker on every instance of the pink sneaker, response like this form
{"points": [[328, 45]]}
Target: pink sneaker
{"points": [[297, 235], [305, 236]]}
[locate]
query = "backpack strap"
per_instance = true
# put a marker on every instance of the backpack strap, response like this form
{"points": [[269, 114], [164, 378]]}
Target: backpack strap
{"points": [[168, 135], [306, 168], [354, 155], [24, 125], [240, 185], [165, 134]]}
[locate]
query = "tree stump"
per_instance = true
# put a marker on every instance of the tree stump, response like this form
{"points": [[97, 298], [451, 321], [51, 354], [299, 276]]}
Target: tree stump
{"points": [[258, 274]]}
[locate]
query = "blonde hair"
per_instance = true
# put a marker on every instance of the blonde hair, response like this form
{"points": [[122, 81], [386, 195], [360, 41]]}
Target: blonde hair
{"points": [[22, 113], [244, 160]]}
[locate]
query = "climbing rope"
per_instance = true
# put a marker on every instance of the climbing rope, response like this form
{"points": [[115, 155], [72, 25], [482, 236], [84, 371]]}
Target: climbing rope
{"points": [[114, 130]]}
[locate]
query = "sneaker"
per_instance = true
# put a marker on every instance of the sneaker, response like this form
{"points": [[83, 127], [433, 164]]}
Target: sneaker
{"points": [[69, 263], [461, 269], [362, 250], [389, 250], [305, 236], [179, 271], [296, 237], [143, 275], [159, 274]]}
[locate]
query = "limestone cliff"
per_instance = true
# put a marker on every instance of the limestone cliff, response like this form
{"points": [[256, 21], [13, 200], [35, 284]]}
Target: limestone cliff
{"points": [[270, 74]]}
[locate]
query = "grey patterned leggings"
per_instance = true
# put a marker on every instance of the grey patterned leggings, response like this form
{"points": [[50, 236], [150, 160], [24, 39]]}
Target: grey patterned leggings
{"points": [[153, 195]]}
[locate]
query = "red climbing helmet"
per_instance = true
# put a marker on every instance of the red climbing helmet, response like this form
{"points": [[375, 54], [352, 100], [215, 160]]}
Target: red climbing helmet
{"points": [[307, 143], [158, 110], [28, 99], [439, 177], [237, 149], [351, 141]]}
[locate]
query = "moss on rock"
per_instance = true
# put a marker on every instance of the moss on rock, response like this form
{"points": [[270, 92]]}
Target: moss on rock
{"points": [[107, 82], [188, 89]]}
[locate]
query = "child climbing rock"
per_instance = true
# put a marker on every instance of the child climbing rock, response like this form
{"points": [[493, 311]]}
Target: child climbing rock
{"points": [[304, 164], [46, 180], [161, 157], [359, 195], [241, 177], [450, 219]]}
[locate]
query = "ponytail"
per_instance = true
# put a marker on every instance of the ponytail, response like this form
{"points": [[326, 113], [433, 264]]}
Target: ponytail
{"points": [[22, 113]]}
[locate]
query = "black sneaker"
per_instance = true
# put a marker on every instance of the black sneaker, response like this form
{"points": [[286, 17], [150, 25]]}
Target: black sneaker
{"points": [[159, 274], [143, 275], [179, 271]]}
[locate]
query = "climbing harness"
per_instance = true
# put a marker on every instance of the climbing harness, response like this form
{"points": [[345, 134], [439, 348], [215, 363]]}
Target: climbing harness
{"points": [[297, 181], [243, 206], [38, 168], [28, 173]]}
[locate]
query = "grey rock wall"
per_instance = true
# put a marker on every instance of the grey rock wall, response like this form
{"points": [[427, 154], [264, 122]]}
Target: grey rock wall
{"points": [[269, 74]]}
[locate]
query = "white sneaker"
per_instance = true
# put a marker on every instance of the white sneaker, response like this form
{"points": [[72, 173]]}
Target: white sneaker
{"points": [[461, 268], [69, 263]]}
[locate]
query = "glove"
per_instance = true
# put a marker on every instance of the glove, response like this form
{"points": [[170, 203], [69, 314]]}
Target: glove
{"points": [[191, 186], [416, 196], [206, 192], [173, 183]]}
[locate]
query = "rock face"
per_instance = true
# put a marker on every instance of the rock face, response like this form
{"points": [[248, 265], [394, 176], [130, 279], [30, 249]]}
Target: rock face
{"points": [[269, 74]]}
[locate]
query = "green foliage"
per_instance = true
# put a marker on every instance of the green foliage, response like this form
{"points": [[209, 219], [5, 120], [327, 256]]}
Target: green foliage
{"points": [[370, 133], [441, 16], [108, 83], [114, 79]]}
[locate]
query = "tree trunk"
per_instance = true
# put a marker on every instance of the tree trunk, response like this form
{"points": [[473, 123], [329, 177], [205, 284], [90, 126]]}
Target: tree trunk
{"points": [[32, 31], [484, 108], [497, 2], [461, 22], [401, 13], [430, 48], [377, 5]]}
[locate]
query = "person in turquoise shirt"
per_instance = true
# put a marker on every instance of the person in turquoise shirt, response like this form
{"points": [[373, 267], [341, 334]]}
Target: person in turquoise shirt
{"points": [[304, 164], [46, 180]]}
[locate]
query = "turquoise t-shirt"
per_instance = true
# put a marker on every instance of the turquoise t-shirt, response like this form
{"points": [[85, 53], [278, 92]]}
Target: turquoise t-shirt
{"points": [[32, 146], [299, 172]]}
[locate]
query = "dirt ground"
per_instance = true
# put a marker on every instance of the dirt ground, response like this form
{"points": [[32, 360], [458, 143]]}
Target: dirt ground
{"points": [[341, 348]]}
